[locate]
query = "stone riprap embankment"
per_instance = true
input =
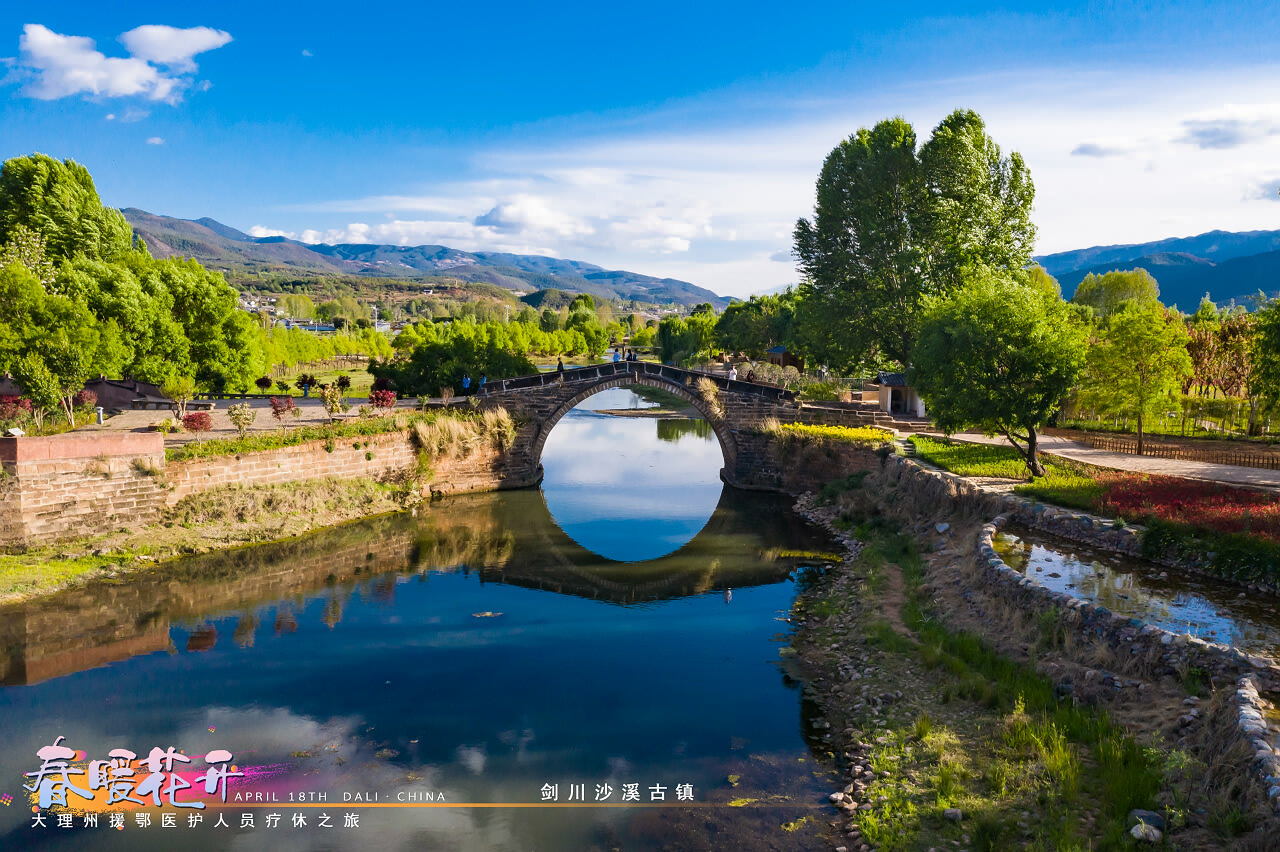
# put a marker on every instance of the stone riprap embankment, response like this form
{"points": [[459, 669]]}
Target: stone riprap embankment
{"points": [[1165, 652]]}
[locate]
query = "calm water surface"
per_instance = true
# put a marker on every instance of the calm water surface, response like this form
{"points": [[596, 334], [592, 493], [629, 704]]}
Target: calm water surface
{"points": [[621, 626], [1213, 610]]}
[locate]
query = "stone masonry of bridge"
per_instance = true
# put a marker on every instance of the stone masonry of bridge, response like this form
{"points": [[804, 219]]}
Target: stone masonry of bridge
{"points": [[86, 483], [739, 408]]}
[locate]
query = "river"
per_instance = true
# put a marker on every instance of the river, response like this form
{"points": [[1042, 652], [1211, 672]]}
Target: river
{"points": [[531, 658]]}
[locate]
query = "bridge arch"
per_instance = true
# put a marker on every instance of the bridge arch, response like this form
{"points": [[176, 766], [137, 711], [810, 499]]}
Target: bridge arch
{"points": [[586, 390], [542, 399]]}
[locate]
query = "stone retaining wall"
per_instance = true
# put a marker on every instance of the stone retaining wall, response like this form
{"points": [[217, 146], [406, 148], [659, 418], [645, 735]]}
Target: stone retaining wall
{"points": [[90, 483], [1168, 653], [78, 484]]}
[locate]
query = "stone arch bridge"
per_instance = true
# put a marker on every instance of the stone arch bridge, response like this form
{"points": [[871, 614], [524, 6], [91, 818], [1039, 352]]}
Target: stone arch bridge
{"points": [[735, 412]]}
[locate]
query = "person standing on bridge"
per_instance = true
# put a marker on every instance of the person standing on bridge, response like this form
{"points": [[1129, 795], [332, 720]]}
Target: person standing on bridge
{"points": [[483, 379], [751, 375], [559, 364], [617, 354], [733, 372], [466, 383]]}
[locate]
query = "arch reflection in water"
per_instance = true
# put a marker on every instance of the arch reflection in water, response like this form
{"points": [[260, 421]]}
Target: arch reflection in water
{"points": [[630, 488]]}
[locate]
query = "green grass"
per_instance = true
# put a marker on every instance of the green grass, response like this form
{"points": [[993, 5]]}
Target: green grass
{"points": [[43, 568], [259, 441], [1064, 483], [1033, 751], [864, 435], [361, 381]]}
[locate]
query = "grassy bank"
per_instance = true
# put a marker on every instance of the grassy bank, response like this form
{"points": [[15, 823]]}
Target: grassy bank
{"points": [[220, 518], [952, 743]]}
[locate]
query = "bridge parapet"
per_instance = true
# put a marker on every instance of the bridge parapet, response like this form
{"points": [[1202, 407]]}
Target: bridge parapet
{"points": [[661, 372]]}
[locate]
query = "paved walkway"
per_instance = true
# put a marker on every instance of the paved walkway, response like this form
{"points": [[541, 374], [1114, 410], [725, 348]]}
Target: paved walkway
{"points": [[1228, 473], [312, 414]]}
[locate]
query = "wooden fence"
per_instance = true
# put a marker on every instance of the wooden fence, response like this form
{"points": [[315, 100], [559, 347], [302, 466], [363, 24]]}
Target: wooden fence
{"points": [[1268, 460]]}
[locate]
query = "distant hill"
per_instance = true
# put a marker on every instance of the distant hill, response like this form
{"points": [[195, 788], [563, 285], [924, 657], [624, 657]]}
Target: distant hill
{"points": [[222, 247], [1228, 266]]}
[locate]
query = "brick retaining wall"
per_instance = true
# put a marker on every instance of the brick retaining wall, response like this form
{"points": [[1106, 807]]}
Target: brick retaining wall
{"points": [[91, 483]]}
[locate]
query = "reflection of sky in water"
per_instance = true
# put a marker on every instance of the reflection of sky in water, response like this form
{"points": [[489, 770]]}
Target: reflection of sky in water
{"points": [[1181, 603], [391, 682], [625, 489], [557, 688]]}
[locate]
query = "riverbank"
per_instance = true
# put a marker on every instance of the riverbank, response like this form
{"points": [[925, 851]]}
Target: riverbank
{"points": [[961, 719], [219, 519]]}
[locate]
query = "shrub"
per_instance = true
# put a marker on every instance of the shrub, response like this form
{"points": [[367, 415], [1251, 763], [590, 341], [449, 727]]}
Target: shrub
{"points": [[446, 394], [282, 406], [828, 391], [865, 435], [242, 417], [343, 383], [383, 399], [334, 404], [168, 425], [282, 386], [197, 422], [14, 411], [263, 383], [84, 399]]}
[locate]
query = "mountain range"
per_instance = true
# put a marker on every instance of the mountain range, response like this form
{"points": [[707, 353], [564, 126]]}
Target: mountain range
{"points": [[220, 246], [1227, 266]]}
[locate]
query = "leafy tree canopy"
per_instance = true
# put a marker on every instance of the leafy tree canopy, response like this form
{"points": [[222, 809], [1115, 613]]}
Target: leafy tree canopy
{"points": [[757, 324], [1107, 292], [894, 225], [72, 275], [1138, 364], [999, 354], [58, 201]]}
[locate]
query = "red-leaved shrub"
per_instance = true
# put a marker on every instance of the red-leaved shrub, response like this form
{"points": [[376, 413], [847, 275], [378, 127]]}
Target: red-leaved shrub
{"points": [[382, 398], [197, 421]]}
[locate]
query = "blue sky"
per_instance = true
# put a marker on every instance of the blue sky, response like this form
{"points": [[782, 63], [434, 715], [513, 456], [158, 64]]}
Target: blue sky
{"points": [[676, 139]]}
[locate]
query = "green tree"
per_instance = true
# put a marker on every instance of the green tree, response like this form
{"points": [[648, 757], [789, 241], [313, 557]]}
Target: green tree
{"points": [[757, 324], [69, 366], [998, 355], [1138, 364], [58, 201], [26, 248], [39, 385], [1264, 378], [1107, 292], [180, 389], [892, 227]]}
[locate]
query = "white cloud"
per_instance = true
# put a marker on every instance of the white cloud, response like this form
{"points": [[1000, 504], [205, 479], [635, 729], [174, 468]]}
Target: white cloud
{"points": [[155, 140], [59, 66], [307, 53], [527, 214], [171, 46], [1108, 150]]}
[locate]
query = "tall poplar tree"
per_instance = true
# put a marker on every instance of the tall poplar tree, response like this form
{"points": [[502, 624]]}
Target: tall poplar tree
{"points": [[894, 225]]}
